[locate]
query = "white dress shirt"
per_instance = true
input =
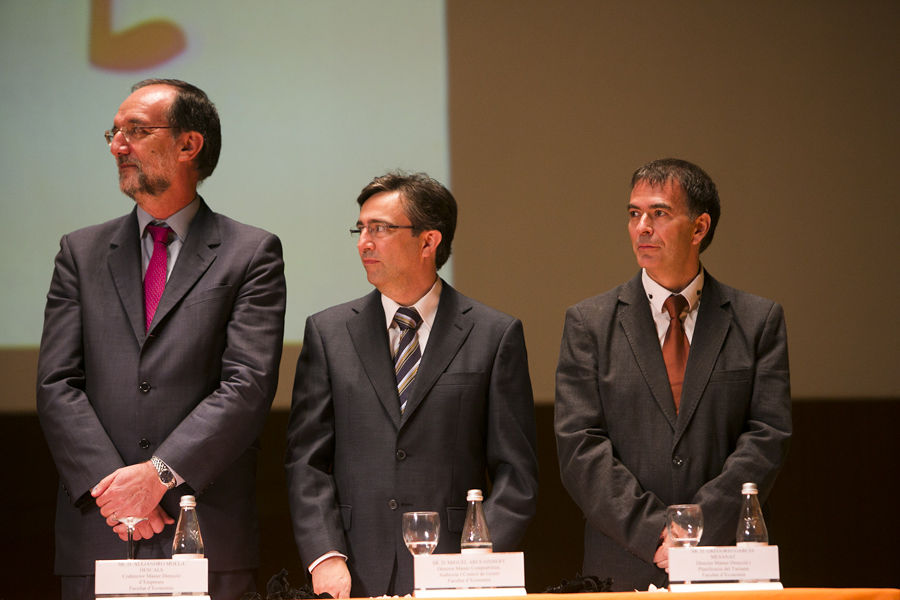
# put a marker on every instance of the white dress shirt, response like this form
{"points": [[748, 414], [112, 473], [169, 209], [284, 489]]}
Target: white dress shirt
{"points": [[179, 223], [426, 306], [657, 295]]}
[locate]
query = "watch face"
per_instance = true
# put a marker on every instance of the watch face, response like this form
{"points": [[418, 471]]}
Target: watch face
{"points": [[165, 475]]}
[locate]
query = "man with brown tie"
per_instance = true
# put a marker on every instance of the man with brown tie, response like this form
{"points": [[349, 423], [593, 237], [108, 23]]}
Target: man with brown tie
{"points": [[671, 388]]}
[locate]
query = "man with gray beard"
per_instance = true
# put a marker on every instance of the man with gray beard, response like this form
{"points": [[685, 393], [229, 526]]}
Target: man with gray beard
{"points": [[159, 358]]}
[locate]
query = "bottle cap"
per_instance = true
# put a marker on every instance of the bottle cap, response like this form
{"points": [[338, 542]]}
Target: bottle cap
{"points": [[474, 495], [748, 488], [188, 502]]}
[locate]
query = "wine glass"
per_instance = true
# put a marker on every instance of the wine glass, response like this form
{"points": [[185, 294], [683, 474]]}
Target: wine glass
{"points": [[130, 523], [685, 524], [421, 531]]}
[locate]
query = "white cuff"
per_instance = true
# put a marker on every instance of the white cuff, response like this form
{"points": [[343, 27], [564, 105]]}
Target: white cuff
{"points": [[325, 556]]}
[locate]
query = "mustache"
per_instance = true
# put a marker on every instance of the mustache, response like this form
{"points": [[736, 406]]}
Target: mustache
{"points": [[122, 161]]}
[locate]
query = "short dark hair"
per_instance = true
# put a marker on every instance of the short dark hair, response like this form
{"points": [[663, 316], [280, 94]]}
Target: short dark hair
{"points": [[697, 185], [192, 110], [427, 204]]}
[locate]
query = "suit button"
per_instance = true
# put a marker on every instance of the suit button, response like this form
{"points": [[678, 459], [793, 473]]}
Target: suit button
{"points": [[393, 504], [144, 443], [144, 387], [401, 454], [677, 461]]}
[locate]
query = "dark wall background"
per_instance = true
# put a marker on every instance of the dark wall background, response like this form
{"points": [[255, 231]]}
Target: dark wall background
{"points": [[832, 513]]}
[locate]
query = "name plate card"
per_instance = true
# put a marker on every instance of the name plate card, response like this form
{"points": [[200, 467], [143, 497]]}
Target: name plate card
{"points": [[137, 578], [724, 568], [475, 574]]}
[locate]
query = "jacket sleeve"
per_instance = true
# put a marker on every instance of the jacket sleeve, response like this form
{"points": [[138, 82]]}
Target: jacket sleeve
{"points": [[309, 461], [81, 448], [511, 455], [610, 496]]}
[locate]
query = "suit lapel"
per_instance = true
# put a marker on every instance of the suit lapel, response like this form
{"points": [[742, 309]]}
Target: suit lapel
{"points": [[640, 329], [451, 327], [196, 255], [124, 262], [713, 322], [369, 335]]}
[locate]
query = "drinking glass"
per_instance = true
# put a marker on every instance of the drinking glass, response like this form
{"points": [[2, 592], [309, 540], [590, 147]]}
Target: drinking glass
{"points": [[421, 531], [685, 524], [129, 523]]}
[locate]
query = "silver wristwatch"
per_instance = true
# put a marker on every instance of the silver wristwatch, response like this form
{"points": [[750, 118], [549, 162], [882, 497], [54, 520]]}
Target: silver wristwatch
{"points": [[162, 469]]}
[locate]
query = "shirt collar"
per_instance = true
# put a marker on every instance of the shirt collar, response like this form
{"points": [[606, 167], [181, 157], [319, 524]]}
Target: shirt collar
{"points": [[179, 222], [657, 294], [427, 306]]}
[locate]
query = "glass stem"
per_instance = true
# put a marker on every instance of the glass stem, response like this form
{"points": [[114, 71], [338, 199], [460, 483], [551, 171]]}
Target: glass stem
{"points": [[130, 543]]}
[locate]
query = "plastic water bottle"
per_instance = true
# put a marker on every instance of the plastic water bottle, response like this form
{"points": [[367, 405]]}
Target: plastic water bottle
{"points": [[751, 529], [188, 542], [475, 534]]}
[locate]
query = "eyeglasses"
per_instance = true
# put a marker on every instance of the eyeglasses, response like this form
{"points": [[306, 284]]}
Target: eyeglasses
{"points": [[132, 133], [377, 230]]}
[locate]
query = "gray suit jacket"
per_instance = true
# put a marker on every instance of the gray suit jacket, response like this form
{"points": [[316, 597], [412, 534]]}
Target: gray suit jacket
{"points": [[624, 454], [354, 465], [194, 391]]}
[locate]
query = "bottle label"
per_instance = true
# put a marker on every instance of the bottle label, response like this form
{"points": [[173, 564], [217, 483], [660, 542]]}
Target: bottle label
{"points": [[186, 556]]}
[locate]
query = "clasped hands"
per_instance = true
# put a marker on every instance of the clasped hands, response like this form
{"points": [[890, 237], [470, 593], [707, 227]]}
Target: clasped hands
{"points": [[133, 491]]}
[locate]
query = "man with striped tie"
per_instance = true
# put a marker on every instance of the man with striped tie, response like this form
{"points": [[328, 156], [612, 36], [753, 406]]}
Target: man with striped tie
{"points": [[403, 400]]}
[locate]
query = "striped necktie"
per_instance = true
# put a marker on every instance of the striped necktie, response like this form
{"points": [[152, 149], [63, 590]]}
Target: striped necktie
{"points": [[408, 354]]}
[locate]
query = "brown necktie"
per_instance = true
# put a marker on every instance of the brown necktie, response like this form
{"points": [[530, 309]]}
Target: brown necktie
{"points": [[675, 346]]}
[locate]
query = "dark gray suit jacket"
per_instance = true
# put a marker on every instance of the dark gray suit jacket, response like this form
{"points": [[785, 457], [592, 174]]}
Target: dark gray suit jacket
{"points": [[624, 454], [195, 391], [354, 465]]}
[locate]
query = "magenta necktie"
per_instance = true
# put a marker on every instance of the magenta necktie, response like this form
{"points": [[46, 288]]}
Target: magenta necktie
{"points": [[675, 345], [155, 278]]}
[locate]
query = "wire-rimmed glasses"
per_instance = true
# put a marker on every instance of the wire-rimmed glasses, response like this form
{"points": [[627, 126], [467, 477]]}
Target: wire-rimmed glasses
{"points": [[132, 132], [377, 229]]}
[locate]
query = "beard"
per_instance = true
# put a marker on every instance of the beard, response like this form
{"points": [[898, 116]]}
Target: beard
{"points": [[145, 184]]}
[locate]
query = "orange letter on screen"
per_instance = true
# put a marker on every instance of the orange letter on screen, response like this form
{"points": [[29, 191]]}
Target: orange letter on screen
{"points": [[140, 47]]}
